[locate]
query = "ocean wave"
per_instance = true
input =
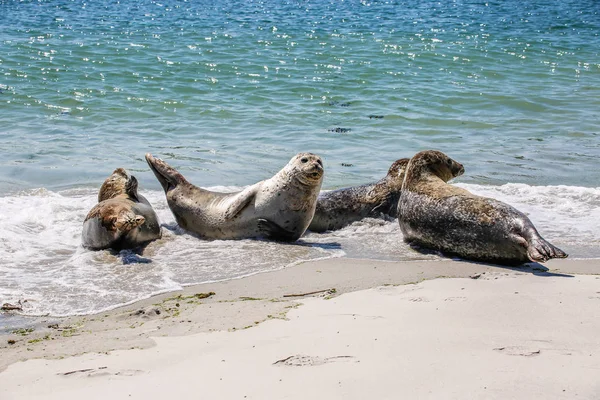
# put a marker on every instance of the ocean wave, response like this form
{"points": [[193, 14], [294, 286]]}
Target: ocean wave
{"points": [[42, 261], [569, 214]]}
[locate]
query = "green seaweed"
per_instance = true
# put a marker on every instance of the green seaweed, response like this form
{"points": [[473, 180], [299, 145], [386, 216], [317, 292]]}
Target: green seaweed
{"points": [[195, 296], [23, 331], [69, 332]]}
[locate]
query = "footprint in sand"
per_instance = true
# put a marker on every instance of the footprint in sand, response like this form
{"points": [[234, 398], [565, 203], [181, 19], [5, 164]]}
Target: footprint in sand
{"points": [[519, 351], [418, 300], [101, 371], [300, 360], [455, 299]]}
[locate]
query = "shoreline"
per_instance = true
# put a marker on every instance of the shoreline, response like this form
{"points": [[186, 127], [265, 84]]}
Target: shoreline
{"points": [[354, 328], [240, 303], [53, 272]]}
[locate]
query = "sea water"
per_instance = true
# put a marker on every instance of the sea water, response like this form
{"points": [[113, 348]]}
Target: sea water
{"points": [[227, 92]]}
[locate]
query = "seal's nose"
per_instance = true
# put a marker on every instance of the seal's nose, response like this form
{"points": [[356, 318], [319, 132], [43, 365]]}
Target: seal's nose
{"points": [[461, 170], [318, 165], [316, 168]]}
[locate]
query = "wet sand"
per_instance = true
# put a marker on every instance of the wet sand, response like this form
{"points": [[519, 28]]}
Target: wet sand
{"points": [[338, 328]]}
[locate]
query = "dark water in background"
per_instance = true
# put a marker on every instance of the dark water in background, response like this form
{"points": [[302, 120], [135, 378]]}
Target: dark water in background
{"points": [[228, 91]]}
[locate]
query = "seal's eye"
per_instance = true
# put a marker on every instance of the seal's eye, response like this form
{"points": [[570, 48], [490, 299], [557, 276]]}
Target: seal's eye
{"points": [[320, 163], [304, 160], [448, 161]]}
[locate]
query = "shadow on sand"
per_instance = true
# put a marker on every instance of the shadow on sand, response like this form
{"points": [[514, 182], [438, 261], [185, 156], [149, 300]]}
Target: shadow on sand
{"points": [[533, 268]]}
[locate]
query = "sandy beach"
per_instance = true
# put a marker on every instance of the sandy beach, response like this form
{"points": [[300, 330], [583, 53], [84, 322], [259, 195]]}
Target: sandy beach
{"points": [[338, 328], [227, 93]]}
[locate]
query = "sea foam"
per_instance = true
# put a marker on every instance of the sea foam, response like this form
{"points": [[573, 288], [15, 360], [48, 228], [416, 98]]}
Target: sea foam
{"points": [[43, 265]]}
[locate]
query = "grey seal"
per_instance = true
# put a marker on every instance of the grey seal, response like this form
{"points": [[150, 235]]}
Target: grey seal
{"points": [[122, 219], [436, 215], [278, 208], [339, 208]]}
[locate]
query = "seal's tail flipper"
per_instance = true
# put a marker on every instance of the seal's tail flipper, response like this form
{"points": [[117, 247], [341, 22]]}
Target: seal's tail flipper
{"points": [[168, 176], [127, 222], [275, 232], [539, 250]]}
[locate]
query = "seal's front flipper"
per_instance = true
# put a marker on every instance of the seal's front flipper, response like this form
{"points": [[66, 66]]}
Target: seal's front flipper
{"points": [[128, 222], [386, 204], [275, 232], [239, 202], [380, 208]]}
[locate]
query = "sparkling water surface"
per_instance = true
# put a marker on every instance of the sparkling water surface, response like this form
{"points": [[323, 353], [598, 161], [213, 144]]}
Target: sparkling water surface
{"points": [[228, 92]]}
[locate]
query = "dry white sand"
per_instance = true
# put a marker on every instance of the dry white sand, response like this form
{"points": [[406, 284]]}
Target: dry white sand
{"points": [[525, 334]]}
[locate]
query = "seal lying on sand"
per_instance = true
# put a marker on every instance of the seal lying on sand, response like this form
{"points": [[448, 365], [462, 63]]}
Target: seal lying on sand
{"points": [[278, 208], [440, 216], [341, 207], [122, 219]]}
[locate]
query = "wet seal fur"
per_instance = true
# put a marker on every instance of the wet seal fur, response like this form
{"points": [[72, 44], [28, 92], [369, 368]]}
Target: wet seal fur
{"points": [[278, 208], [339, 208], [122, 219], [436, 215]]}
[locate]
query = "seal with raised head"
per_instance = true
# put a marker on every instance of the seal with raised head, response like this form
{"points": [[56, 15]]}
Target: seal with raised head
{"points": [[278, 208], [434, 214], [122, 219], [339, 208]]}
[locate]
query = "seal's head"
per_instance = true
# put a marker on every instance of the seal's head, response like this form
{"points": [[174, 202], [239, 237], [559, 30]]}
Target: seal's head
{"points": [[120, 182], [432, 163], [395, 175], [307, 168], [398, 167]]}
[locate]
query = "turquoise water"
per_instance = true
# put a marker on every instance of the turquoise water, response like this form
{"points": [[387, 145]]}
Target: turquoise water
{"points": [[228, 92]]}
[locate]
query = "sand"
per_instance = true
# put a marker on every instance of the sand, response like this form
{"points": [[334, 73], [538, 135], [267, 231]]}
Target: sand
{"points": [[381, 330]]}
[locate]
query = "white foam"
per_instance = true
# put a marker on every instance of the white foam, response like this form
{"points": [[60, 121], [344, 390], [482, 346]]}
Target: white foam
{"points": [[371, 238], [565, 214], [42, 261]]}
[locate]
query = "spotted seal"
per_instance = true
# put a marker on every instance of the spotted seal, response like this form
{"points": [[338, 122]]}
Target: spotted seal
{"points": [[440, 216], [122, 219], [278, 208], [339, 208]]}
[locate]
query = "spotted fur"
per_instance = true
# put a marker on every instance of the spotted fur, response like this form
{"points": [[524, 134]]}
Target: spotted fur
{"points": [[122, 218], [279, 208], [339, 208], [434, 214]]}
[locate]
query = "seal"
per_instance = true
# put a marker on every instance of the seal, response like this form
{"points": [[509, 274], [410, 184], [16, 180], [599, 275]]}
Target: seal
{"points": [[339, 208], [434, 214], [278, 208], [122, 219]]}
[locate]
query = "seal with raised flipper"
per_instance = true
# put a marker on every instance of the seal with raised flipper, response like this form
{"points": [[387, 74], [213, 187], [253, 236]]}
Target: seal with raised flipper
{"points": [[278, 208], [122, 219], [436, 215], [339, 208]]}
